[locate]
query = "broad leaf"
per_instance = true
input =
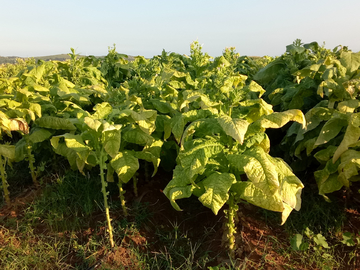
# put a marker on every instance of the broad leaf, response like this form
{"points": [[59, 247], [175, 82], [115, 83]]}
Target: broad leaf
{"points": [[331, 128], [55, 123], [196, 158], [179, 187], [102, 110], [279, 119], [352, 135], [234, 127], [111, 137], [217, 187], [7, 151], [137, 136], [39, 135], [125, 165], [254, 195], [260, 170], [94, 124]]}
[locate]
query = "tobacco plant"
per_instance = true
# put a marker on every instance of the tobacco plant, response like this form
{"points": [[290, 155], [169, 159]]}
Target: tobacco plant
{"points": [[333, 128], [7, 151], [222, 139], [96, 141]]}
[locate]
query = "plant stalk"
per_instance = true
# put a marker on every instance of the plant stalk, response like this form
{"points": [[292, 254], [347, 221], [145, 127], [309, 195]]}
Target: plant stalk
{"points": [[231, 229], [135, 180], [4, 182], [122, 198], [31, 160], [103, 190], [147, 171]]}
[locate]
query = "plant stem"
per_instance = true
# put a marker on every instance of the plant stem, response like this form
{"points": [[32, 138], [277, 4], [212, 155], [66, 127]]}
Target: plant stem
{"points": [[230, 214], [147, 173], [135, 180], [31, 160], [4, 182], [122, 198], [103, 190]]}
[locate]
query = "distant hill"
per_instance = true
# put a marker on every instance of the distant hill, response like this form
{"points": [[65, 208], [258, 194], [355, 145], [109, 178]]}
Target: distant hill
{"points": [[56, 57], [12, 59]]}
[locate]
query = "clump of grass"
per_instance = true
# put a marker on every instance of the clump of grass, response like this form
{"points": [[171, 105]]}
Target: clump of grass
{"points": [[31, 251], [67, 204]]}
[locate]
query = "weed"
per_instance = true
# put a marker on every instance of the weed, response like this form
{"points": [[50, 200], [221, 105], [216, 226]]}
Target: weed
{"points": [[67, 204]]}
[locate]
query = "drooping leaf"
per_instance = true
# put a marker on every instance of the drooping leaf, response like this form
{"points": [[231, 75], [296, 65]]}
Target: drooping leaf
{"points": [[53, 122], [234, 127], [39, 135], [179, 187], [7, 151], [291, 186], [153, 151], [325, 154], [217, 187], [145, 119], [352, 135], [259, 169], [348, 105], [177, 126], [20, 150], [137, 136], [162, 106], [77, 151], [36, 108], [60, 148], [102, 110], [279, 119], [202, 128], [18, 124], [349, 166], [350, 60], [109, 173], [327, 179], [331, 128], [125, 165], [111, 137], [94, 124], [195, 159], [254, 195]]}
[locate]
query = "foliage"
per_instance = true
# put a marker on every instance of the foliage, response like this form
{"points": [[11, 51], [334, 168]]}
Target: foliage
{"points": [[326, 90], [204, 118]]}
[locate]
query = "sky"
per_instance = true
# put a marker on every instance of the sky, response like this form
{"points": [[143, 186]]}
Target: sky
{"points": [[146, 27]]}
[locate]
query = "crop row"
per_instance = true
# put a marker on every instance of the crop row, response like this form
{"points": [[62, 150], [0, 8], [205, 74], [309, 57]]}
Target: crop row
{"points": [[203, 118]]}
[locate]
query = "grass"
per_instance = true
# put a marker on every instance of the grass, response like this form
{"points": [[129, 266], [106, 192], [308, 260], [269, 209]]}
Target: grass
{"points": [[68, 204], [28, 250], [64, 228]]}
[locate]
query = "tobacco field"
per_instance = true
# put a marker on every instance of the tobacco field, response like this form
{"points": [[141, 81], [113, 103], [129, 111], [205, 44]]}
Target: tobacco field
{"points": [[182, 161]]}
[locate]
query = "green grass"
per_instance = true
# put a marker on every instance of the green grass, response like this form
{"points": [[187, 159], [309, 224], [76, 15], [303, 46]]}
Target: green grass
{"points": [[64, 228], [29, 250], [68, 204]]}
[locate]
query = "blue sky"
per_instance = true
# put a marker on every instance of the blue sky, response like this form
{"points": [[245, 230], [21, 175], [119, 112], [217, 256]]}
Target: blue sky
{"points": [[257, 27]]}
